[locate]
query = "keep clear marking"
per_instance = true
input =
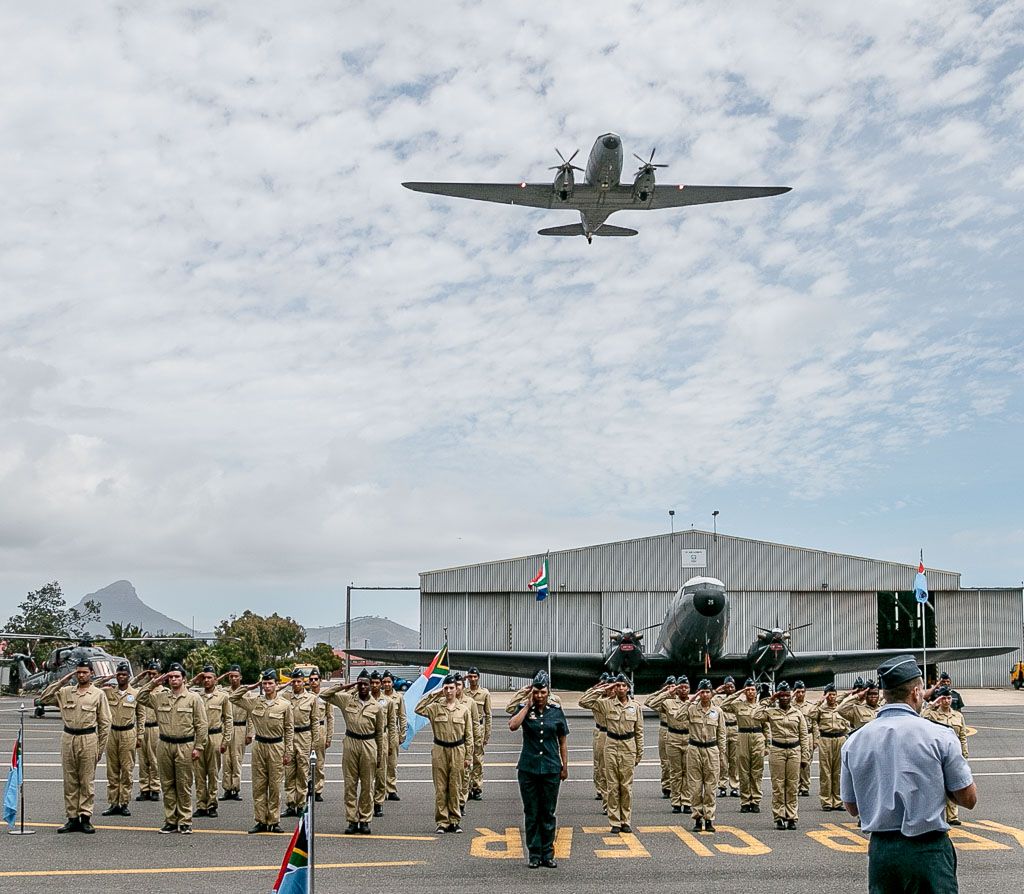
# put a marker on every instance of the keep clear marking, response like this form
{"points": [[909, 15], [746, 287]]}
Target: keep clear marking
{"points": [[749, 846], [508, 845], [838, 838], [622, 844]]}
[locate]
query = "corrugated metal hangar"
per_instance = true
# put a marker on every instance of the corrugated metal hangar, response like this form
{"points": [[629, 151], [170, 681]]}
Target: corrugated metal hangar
{"points": [[850, 602]]}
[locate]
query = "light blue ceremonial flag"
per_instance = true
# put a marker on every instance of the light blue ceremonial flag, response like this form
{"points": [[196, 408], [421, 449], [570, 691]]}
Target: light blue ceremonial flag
{"points": [[921, 585], [432, 677]]}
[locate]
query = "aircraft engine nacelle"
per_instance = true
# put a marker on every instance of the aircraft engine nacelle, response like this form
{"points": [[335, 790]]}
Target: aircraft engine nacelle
{"points": [[643, 186], [564, 184]]}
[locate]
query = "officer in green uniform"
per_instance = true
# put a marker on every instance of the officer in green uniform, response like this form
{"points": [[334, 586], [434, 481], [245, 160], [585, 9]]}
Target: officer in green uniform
{"points": [[126, 727], [220, 716], [749, 745]]}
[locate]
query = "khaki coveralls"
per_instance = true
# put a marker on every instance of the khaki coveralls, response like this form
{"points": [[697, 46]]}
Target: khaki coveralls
{"points": [[599, 742], [398, 737], [454, 740], [324, 735], [623, 750], [857, 712], [126, 729], [474, 713], [830, 729], [380, 776], [231, 765], [677, 739], [790, 746], [182, 728], [149, 773], [306, 717], [273, 731], [807, 708], [86, 716], [955, 721], [482, 697], [703, 757], [362, 752], [729, 758], [221, 717], [749, 747]]}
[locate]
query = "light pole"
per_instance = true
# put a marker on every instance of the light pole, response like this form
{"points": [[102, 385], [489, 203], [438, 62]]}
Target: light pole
{"points": [[672, 520], [714, 521]]}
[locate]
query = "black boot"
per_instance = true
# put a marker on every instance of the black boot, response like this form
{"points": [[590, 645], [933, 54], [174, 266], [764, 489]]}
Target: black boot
{"points": [[143, 796], [85, 825], [72, 825], [364, 828], [319, 798], [125, 811], [378, 810], [112, 810], [289, 811], [698, 825], [259, 827], [352, 829], [393, 796]]}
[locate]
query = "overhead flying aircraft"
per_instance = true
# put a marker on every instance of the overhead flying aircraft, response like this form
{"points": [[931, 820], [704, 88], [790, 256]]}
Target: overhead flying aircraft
{"points": [[691, 641], [600, 194]]}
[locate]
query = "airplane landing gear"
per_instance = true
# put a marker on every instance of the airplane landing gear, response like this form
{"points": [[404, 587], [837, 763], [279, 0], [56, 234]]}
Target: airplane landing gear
{"points": [[590, 238]]}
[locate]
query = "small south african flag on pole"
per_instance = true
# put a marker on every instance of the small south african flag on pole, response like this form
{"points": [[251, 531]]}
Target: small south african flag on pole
{"points": [[539, 584], [294, 875]]}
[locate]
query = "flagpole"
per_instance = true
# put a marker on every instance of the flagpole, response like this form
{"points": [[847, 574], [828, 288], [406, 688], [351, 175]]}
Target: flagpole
{"points": [[309, 820], [21, 794], [547, 567], [924, 625]]}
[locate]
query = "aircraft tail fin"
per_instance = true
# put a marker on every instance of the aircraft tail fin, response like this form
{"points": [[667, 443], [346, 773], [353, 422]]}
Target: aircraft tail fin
{"points": [[577, 230]]}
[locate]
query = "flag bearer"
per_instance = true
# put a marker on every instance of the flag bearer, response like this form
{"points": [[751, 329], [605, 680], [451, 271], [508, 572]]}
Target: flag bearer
{"points": [[706, 723], [149, 773], [750, 745], [624, 749], [231, 779], [181, 715], [482, 697], [324, 734], [671, 703], [451, 722], [86, 715], [363, 751], [221, 732], [270, 716], [830, 728], [941, 711], [401, 727], [126, 729], [790, 747], [306, 717]]}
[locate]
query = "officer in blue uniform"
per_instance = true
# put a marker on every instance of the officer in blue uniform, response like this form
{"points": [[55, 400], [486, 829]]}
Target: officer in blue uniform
{"points": [[543, 764]]}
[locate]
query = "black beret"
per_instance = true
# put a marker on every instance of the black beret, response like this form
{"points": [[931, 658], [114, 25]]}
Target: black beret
{"points": [[871, 684], [783, 687], [449, 679], [269, 674], [209, 669], [153, 665], [364, 674], [945, 676], [896, 671], [681, 679], [375, 675], [457, 677], [176, 668], [670, 681], [84, 662], [387, 675], [829, 687], [541, 680], [729, 680], [799, 684], [858, 683], [473, 670], [237, 668], [940, 691], [704, 686], [605, 677], [621, 678], [297, 674], [748, 682], [124, 667]]}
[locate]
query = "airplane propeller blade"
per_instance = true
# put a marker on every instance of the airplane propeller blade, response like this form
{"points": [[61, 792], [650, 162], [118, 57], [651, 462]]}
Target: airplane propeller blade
{"points": [[648, 165], [566, 165]]}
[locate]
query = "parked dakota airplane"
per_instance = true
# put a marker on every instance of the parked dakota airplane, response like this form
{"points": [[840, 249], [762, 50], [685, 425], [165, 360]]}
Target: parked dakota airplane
{"points": [[692, 642], [601, 194]]}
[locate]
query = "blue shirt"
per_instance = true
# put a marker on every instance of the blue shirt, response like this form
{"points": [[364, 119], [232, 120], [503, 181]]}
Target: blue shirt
{"points": [[541, 733], [898, 768]]}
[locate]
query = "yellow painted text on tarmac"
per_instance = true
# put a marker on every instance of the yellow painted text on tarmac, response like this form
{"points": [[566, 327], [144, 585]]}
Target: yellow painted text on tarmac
{"points": [[1016, 834], [491, 845], [839, 838], [623, 844]]}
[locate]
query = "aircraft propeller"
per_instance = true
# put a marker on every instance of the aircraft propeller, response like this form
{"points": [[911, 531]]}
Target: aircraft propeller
{"points": [[649, 165], [566, 166]]}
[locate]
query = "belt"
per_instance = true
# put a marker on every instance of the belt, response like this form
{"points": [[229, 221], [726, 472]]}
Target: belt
{"points": [[730, 724], [924, 838], [751, 729], [461, 741], [177, 740], [703, 744], [122, 729], [679, 732], [826, 735], [620, 737], [785, 744], [601, 729], [79, 732], [270, 740], [662, 723], [151, 723], [213, 730], [303, 729], [363, 737]]}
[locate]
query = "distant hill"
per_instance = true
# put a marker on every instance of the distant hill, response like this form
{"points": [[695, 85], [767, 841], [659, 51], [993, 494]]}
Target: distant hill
{"points": [[368, 632], [120, 603]]}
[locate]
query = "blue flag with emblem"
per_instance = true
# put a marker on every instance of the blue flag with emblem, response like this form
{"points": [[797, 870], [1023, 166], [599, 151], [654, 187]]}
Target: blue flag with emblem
{"points": [[921, 585]]}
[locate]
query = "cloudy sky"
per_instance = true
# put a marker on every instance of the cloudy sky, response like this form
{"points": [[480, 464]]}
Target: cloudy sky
{"points": [[241, 366]]}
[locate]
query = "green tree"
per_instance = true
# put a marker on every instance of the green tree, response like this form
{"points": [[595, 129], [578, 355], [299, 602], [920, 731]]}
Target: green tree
{"points": [[45, 612], [174, 648], [200, 656], [254, 642], [122, 640], [322, 655]]}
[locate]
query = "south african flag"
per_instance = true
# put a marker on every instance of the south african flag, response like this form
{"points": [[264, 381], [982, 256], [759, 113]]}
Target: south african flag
{"points": [[432, 677], [294, 875], [539, 584]]}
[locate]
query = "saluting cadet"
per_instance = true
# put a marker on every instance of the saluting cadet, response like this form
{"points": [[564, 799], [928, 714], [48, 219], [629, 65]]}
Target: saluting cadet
{"points": [[941, 711], [324, 733], [86, 715], [600, 740], [957, 702], [182, 725], [363, 750], [623, 719], [861, 705], [398, 732], [749, 746], [306, 719], [126, 729], [790, 747], [482, 697], [149, 772], [380, 777], [666, 785], [805, 707], [729, 783], [671, 702], [231, 779], [474, 711], [706, 722], [451, 722], [220, 733], [830, 728], [270, 716]]}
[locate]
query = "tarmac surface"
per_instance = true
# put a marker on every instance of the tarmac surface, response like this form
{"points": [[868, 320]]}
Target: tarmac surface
{"points": [[827, 853]]}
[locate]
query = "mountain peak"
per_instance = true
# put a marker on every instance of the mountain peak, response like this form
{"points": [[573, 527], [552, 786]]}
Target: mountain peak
{"points": [[120, 603]]}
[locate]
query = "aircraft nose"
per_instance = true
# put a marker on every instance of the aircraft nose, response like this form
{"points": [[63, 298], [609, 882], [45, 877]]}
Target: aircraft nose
{"points": [[709, 602], [611, 141]]}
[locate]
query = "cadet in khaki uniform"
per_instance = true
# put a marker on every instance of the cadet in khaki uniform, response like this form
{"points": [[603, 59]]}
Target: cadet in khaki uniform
{"points": [[482, 697], [599, 742], [790, 747], [306, 719], [451, 722], [940, 711], [706, 722], [324, 735], [363, 751], [270, 716], [749, 745], [126, 719], [474, 712], [401, 727], [86, 715], [220, 733], [666, 783], [380, 777], [829, 727], [861, 705], [231, 775], [671, 702], [181, 716], [624, 749], [806, 708], [149, 773], [728, 781]]}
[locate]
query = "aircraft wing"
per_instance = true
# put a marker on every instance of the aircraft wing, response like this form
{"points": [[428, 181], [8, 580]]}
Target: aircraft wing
{"points": [[669, 196], [869, 659], [532, 195]]}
